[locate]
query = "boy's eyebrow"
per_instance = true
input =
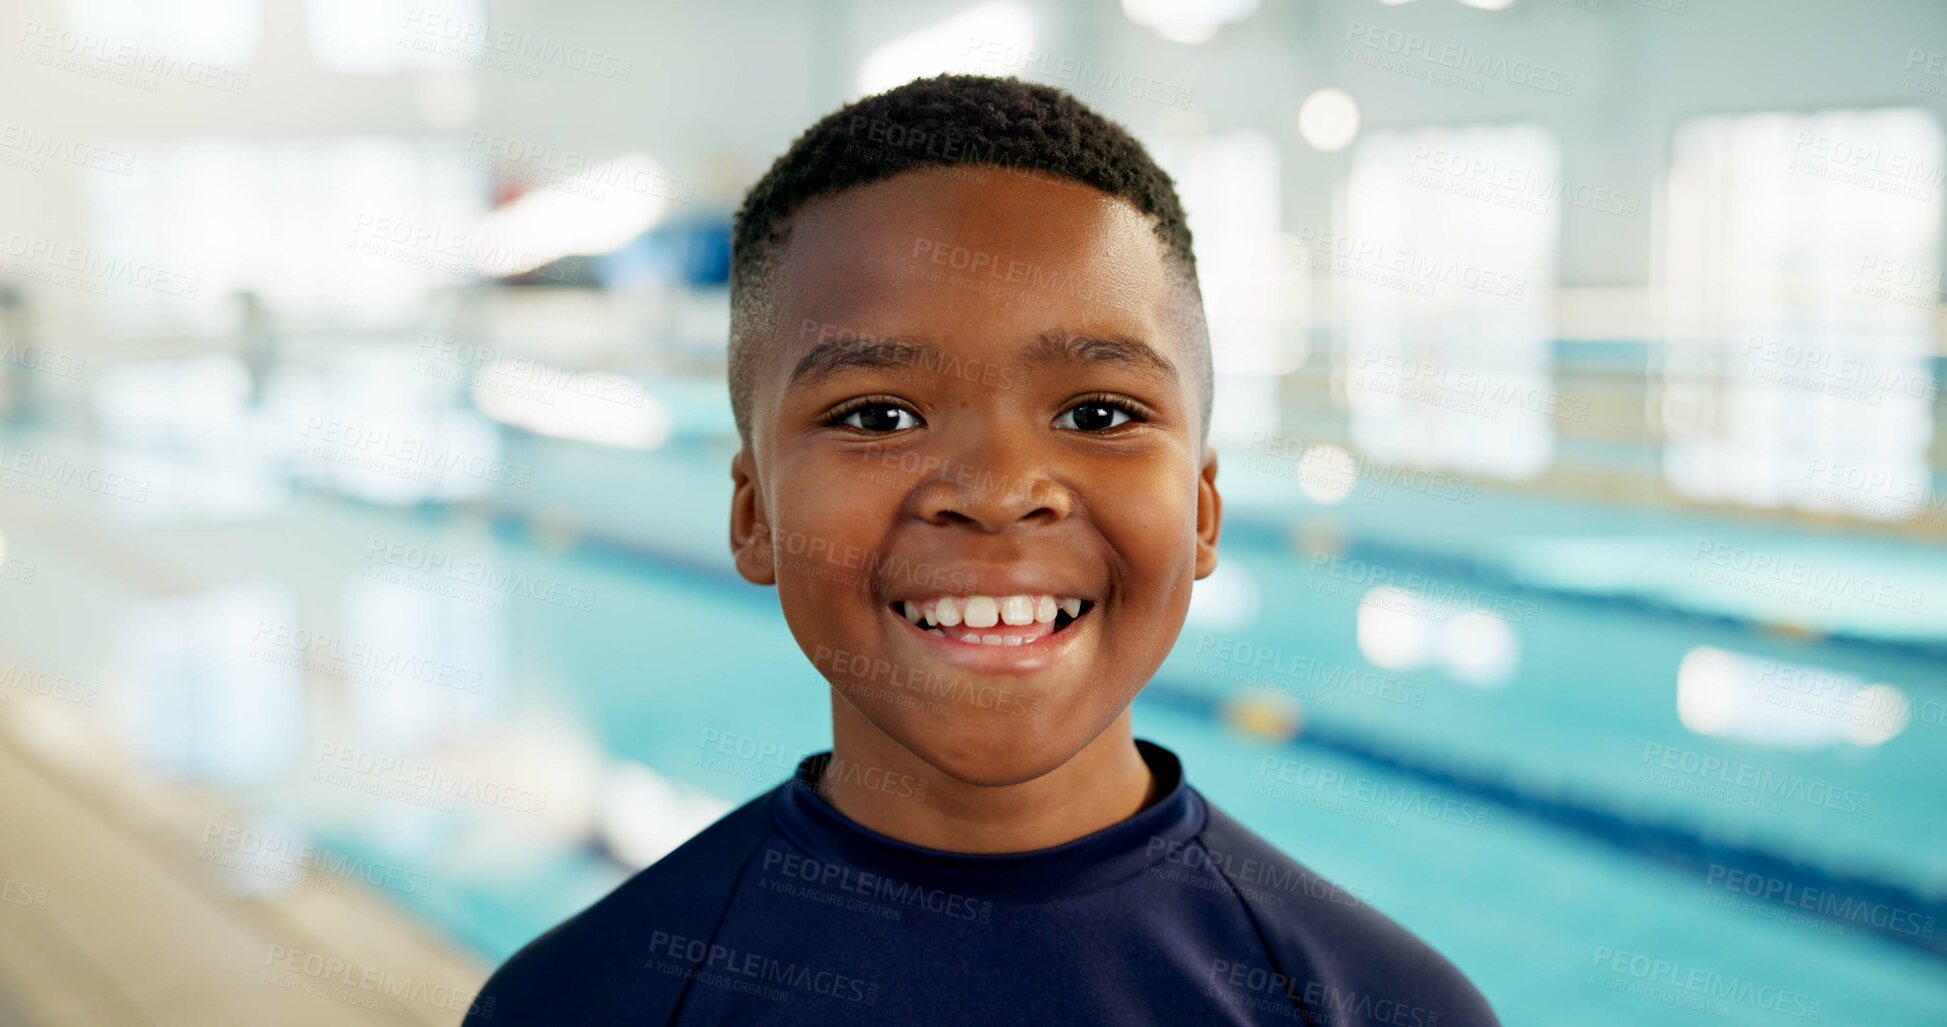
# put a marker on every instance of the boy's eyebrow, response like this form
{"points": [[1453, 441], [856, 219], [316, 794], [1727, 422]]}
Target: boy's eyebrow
{"points": [[1080, 348], [835, 356]]}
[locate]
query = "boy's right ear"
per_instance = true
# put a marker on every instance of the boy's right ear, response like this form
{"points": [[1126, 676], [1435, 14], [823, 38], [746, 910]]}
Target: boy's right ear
{"points": [[750, 533]]}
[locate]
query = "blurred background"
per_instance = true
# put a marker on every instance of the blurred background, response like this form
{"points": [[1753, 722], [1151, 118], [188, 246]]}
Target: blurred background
{"points": [[365, 603]]}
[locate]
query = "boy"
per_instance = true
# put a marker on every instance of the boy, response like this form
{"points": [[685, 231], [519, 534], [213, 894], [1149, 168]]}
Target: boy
{"points": [[972, 382]]}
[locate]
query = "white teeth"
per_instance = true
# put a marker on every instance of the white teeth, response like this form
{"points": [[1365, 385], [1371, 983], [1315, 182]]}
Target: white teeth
{"points": [[988, 611], [997, 640], [981, 612], [936, 631]]}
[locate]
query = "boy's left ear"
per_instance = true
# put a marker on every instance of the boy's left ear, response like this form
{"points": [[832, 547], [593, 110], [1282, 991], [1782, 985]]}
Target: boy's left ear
{"points": [[1210, 514], [750, 535]]}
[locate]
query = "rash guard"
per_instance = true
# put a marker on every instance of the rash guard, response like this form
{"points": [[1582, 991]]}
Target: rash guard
{"points": [[787, 911]]}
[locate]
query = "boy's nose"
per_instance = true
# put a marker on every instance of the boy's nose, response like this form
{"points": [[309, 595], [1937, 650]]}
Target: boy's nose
{"points": [[993, 495]]}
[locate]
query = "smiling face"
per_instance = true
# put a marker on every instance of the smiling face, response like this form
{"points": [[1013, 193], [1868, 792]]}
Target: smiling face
{"points": [[979, 388]]}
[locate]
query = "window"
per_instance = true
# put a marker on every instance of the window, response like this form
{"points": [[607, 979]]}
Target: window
{"points": [[1444, 273], [956, 44], [1800, 279], [1253, 302], [377, 37], [281, 218], [224, 32]]}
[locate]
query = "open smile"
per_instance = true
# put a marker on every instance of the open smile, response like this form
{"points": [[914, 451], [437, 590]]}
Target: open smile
{"points": [[1013, 620]]}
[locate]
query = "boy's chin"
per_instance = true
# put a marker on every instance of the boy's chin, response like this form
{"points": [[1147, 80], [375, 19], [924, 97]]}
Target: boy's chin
{"points": [[989, 749]]}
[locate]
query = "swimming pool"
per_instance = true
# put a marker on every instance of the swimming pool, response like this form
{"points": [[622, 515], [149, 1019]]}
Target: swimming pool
{"points": [[1554, 771]]}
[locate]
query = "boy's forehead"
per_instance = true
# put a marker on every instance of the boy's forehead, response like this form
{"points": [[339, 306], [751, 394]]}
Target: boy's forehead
{"points": [[989, 253]]}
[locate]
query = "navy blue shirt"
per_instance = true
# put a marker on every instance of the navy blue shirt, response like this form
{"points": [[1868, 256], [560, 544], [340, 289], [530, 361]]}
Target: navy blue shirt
{"points": [[787, 911]]}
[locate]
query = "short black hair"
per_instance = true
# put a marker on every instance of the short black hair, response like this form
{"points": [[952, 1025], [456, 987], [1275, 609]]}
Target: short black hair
{"points": [[947, 121]]}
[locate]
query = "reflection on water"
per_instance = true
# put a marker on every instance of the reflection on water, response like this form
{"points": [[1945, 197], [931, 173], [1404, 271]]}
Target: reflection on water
{"points": [[1783, 705], [1401, 631]]}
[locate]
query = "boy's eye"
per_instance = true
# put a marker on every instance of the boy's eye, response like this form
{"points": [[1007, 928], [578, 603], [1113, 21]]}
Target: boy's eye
{"points": [[878, 417], [1094, 415]]}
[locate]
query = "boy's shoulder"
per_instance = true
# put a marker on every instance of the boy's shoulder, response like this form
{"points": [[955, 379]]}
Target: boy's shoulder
{"points": [[596, 967], [1342, 957]]}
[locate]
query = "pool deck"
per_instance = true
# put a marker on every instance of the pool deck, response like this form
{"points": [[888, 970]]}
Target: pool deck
{"points": [[113, 917]]}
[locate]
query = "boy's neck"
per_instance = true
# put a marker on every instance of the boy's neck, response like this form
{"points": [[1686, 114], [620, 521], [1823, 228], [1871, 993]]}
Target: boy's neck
{"points": [[1105, 783]]}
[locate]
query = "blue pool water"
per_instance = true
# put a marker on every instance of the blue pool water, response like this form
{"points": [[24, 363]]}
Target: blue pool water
{"points": [[1581, 881]]}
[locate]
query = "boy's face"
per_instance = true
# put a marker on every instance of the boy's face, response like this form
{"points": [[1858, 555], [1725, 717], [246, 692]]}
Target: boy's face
{"points": [[979, 386]]}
